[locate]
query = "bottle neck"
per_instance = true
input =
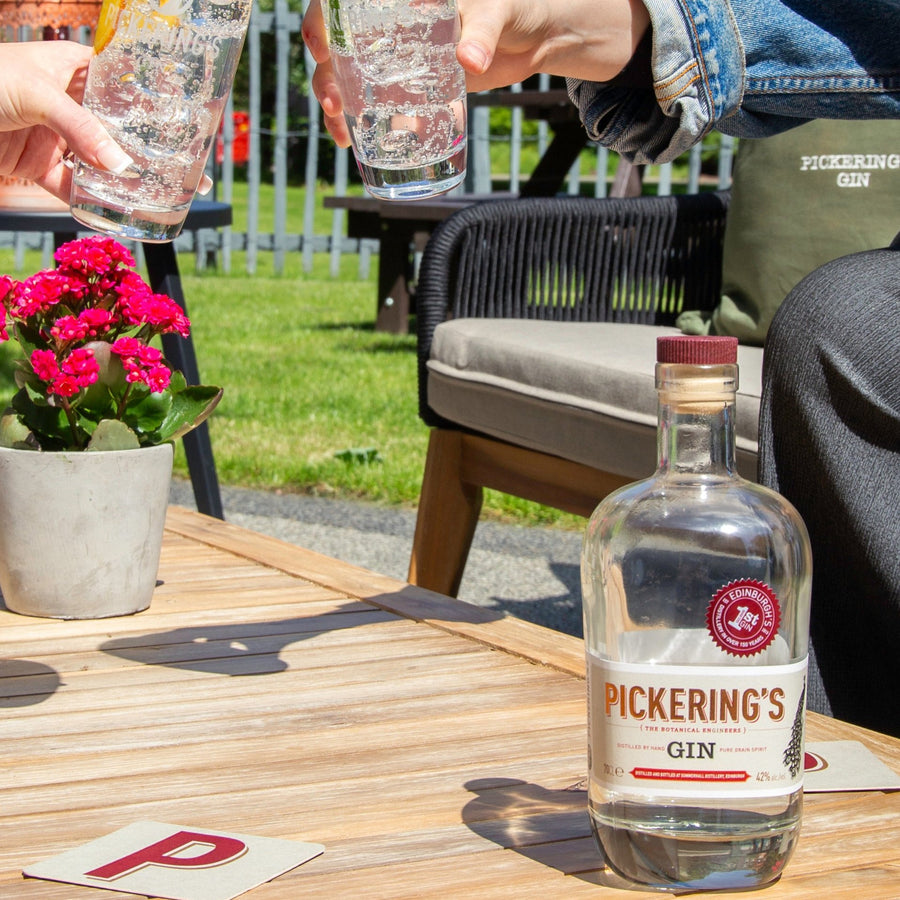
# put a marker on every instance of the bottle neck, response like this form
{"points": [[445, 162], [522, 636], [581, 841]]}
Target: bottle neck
{"points": [[696, 434]]}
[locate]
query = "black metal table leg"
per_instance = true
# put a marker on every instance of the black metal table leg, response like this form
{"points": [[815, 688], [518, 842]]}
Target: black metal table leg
{"points": [[164, 278]]}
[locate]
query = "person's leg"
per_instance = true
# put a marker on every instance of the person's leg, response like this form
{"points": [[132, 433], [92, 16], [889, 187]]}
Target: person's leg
{"points": [[830, 443]]}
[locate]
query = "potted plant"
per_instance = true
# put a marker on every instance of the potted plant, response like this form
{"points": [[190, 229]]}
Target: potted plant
{"points": [[86, 442]]}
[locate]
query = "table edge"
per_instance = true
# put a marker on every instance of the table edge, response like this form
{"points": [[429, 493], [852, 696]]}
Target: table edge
{"points": [[202, 214], [526, 640], [499, 631]]}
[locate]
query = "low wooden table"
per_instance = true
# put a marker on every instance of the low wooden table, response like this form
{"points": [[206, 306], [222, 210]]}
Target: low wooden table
{"points": [[403, 227], [432, 747]]}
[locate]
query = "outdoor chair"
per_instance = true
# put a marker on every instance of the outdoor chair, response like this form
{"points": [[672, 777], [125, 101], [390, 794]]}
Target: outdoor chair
{"points": [[537, 326]]}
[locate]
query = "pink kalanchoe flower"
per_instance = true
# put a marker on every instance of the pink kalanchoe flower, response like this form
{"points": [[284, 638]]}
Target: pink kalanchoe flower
{"points": [[44, 364], [117, 252], [73, 287], [96, 321], [129, 284], [7, 288], [92, 303], [93, 255], [38, 294], [157, 378], [134, 372], [68, 328], [7, 295], [148, 356], [82, 366], [64, 385], [126, 346], [158, 310]]}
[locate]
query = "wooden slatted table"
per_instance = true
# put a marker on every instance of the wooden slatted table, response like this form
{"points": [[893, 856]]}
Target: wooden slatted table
{"points": [[433, 748]]}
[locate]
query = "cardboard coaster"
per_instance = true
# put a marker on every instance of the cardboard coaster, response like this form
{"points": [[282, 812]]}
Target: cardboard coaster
{"points": [[845, 766], [175, 862]]}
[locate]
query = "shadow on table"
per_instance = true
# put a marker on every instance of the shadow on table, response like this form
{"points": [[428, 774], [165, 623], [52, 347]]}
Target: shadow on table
{"points": [[249, 648], [548, 826], [26, 683], [562, 611]]}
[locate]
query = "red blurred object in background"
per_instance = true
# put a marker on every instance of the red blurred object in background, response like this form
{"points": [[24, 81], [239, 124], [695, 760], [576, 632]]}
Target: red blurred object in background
{"points": [[241, 146]]}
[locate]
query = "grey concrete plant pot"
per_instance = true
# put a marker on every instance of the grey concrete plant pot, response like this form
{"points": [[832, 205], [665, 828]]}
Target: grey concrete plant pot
{"points": [[80, 533]]}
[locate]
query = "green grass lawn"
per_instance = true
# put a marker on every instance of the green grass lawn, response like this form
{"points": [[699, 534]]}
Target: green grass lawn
{"points": [[315, 400]]}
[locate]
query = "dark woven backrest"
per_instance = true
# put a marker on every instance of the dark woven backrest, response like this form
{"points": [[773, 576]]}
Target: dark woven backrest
{"points": [[638, 259]]}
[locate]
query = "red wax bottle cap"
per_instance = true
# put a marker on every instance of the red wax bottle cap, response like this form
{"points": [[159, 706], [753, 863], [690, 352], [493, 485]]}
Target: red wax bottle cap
{"points": [[697, 350]]}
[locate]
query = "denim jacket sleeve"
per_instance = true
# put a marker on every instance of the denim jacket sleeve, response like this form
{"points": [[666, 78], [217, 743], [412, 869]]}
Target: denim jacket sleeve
{"points": [[748, 68]]}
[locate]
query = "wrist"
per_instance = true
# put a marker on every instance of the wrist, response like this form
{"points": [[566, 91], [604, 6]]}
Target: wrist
{"points": [[576, 48]]}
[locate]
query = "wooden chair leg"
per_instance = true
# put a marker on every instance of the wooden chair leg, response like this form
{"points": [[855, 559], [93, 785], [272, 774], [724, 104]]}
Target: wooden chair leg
{"points": [[447, 517]]}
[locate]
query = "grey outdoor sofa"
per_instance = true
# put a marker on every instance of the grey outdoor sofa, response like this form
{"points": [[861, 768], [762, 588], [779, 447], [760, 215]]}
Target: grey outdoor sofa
{"points": [[537, 326]]}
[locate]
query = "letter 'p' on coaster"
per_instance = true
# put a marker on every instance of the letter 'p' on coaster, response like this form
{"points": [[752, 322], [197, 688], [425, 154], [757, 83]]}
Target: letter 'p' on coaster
{"points": [[175, 862]]}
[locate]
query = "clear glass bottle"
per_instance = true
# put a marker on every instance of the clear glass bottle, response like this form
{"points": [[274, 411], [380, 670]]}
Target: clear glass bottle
{"points": [[696, 588]]}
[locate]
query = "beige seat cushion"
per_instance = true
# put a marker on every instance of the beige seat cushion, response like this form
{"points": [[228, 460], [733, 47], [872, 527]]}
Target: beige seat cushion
{"points": [[582, 391]]}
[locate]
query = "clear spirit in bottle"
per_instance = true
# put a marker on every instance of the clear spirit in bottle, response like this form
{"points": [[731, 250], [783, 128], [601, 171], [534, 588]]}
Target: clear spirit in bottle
{"points": [[696, 587]]}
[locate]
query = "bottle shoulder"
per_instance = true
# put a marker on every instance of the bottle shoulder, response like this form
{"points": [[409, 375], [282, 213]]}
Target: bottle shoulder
{"points": [[700, 496], [737, 518]]}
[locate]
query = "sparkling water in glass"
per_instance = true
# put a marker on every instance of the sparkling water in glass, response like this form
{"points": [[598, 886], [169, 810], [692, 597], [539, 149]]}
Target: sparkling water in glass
{"points": [[159, 81], [404, 93]]}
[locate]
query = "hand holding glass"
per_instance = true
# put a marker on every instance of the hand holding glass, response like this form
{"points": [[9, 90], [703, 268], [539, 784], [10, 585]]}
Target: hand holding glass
{"points": [[159, 79], [403, 91]]}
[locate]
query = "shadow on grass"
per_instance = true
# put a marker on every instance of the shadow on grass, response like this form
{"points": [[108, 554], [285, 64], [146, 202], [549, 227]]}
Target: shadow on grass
{"points": [[383, 342], [379, 347], [343, 326]]}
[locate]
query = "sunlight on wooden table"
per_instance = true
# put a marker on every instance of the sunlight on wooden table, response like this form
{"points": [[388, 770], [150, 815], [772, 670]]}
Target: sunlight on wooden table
{"points": [[435, 748]]}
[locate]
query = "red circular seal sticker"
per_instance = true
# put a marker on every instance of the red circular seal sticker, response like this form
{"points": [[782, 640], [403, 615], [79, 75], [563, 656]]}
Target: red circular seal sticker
{"points": [[743, 617]]}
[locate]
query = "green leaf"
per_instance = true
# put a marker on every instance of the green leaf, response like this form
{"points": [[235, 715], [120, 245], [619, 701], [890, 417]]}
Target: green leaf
{"points": [[97, 402], [147, 413], [111, 434], [190, 407], [14, 434], [48, 423], [178, 382]]}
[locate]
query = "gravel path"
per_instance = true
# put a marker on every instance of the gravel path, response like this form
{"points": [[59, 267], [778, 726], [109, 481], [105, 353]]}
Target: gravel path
{"points": [[532, 573]]}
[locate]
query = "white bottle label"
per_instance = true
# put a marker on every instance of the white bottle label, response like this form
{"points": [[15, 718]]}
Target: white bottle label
{"points": [[696, 731]]}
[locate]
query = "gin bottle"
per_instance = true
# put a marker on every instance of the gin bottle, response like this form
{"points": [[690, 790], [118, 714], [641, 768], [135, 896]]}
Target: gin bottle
{"points": [[696, 588]]}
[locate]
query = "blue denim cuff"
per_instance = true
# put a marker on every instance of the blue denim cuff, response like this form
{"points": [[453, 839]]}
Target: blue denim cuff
{"points": [[697, 77], [749, 68]]}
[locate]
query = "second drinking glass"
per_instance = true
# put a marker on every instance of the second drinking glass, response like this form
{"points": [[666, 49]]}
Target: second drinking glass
{"points": [[404, 93]]}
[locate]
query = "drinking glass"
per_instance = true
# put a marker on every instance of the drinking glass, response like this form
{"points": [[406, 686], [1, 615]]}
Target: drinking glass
{"points": [[159, 80], [403, 91]]}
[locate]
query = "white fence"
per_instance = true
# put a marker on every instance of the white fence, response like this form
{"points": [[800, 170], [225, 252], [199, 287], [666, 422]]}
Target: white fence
{"points": [[248, 236]]}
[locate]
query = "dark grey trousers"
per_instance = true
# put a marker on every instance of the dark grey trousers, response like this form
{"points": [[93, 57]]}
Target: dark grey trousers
{"points": [[830, 443]]}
